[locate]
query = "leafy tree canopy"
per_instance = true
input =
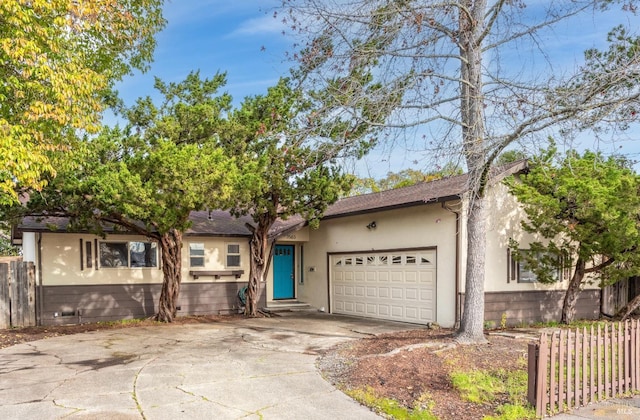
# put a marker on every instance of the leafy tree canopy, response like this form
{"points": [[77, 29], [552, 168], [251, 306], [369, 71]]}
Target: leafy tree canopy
{"points": [[58, 61], [585, 208], [150, 175]]}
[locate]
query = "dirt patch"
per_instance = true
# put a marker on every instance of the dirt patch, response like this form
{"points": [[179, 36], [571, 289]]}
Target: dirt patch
{"points": [[13, 336], [413, 365]]}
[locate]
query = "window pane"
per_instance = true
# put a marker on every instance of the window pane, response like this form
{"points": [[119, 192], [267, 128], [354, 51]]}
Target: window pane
{"points": [[89, 257], [196, 255], [143, 254], [113, 254], [233, 260], [233, 249]]}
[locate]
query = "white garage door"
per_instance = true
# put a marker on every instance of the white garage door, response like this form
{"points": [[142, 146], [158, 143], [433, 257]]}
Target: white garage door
{"points": [[399, 286]]}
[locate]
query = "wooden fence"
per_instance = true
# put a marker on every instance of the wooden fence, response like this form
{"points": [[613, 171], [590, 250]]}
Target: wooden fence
{"points": [[17, 294], [570, 368]]}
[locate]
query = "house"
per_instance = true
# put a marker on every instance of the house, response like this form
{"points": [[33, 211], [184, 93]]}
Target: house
{"points": [[395, 255]]}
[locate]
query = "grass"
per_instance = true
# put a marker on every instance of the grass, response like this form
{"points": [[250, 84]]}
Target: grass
{"points": [[391, 408], [484, 387]]}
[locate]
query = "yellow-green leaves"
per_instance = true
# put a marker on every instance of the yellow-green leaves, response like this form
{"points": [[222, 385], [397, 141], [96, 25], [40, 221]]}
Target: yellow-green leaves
{"points": [[57, 60]]}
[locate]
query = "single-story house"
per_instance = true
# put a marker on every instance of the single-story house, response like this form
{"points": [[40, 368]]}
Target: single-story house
{"points": [[394, 255]]}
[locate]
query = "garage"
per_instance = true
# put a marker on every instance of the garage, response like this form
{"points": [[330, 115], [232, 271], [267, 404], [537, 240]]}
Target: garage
{"points": [[392, 285]]}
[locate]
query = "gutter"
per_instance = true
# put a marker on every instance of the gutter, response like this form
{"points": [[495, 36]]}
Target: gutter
{"points": [[458, 307]]}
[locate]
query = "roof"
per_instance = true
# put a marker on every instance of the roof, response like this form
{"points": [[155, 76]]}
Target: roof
{"points": [[223, 223], [440, 190]]}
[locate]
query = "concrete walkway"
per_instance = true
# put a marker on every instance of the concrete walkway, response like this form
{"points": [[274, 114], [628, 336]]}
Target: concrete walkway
{"points": [[615, 409], [250, 369]]}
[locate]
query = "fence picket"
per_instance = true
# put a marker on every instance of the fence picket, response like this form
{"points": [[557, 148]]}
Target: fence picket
{"points": [[562, 395], [576, 367], [553, 392]]}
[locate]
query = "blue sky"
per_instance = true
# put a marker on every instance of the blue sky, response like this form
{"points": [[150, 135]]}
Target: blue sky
{"points": [[243, 39]]}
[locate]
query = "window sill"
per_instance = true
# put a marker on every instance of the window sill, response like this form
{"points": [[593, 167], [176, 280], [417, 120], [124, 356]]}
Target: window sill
{"points": [[216, 274]]}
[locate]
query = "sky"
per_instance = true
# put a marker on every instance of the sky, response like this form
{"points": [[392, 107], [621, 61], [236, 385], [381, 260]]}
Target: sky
{"points": [[243, 39]]}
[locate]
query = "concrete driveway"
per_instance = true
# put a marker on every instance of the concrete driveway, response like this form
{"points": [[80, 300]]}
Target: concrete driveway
{"points": [[250, 369]]}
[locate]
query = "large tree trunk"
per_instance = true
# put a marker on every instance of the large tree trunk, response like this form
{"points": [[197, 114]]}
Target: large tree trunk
{"points": [[171, 246], [471, 329], [260, 247], [472, 117], [571, 295]]}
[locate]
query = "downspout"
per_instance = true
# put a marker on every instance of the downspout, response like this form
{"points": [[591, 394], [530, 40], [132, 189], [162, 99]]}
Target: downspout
{"points": [[458, 307], [40, 305]]}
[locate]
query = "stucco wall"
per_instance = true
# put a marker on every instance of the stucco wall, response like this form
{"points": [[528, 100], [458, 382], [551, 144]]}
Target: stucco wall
{"points": [[61, 262], [504, 219], [416, 227]]}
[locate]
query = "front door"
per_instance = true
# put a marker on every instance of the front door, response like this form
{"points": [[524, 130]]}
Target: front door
{"points": [[283, 278]]}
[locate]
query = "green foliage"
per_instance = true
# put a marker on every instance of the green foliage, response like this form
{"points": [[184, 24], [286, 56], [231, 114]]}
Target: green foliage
{"points": [[6, 249], [584, 207], [478, 387], [389, 407], [58, 61], [403, 178], [510, 156], [291, 176], [484, 387], [148, 177]]}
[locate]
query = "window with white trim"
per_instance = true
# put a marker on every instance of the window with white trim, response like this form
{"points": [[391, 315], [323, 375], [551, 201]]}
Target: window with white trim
{"points": [[128, 254], [196, 254], [233, 255]]}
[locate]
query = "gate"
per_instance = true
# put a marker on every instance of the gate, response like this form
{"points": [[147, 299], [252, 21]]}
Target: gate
{"points": [[17, 294]]}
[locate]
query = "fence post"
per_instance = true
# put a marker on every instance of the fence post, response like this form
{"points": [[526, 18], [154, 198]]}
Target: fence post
{"points": [[5, 315], [23, 294], [532, 368]]}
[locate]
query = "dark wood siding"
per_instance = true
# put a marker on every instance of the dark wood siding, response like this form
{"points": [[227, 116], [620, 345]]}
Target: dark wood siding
{"points": [[537, 306], [93, 303]]}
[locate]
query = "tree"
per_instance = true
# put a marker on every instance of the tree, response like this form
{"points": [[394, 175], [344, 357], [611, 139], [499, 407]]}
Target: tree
{"points": [[58, 61], [291, 177], [447, 70], [148, 177], [586, 209]]}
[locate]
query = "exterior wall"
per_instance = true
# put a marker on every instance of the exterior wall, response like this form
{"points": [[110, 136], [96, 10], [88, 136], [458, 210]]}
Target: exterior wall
{"points": [[94, 303], [504, 222], [61, 263], [416, 227], [527, 307], [71, 292], [215, 258]]}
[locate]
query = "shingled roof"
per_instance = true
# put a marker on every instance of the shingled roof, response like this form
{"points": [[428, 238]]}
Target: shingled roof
{"points": [[440, 190]]}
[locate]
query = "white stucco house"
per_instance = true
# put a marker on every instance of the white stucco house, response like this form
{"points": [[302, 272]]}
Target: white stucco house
{"points": [[394, 255]]}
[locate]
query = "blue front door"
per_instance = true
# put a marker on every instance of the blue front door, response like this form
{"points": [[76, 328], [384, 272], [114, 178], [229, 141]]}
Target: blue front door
{"points": [[283, 278]]}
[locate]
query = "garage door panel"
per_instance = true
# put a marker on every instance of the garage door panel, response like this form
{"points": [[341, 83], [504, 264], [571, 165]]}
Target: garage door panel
{"points": [[387, 285], [411, 294]]}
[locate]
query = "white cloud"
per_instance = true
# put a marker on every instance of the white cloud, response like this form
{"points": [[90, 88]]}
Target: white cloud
{"points": [[266, 24]]}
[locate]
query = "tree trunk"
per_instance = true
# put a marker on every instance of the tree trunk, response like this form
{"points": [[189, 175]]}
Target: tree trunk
{"points": [[571, 295], [629, 308], [471, 28], [171, 246], [260, 248], [471, 329]]}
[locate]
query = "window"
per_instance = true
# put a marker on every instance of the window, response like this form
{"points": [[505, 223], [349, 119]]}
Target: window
{"points": [[520, 271], [233, 255], [89, 261], [128, 254], [196, 254]]}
